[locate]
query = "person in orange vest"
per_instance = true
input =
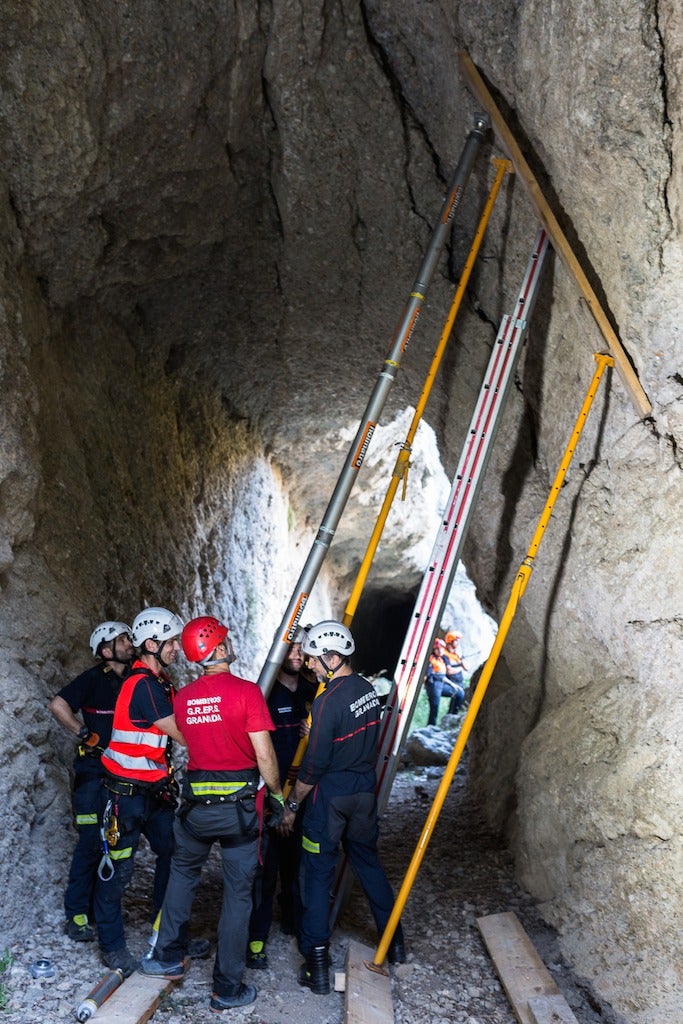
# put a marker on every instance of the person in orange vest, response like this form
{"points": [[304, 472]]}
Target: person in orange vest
{"points": [[138, 779], [455, 670], [444, 677]]}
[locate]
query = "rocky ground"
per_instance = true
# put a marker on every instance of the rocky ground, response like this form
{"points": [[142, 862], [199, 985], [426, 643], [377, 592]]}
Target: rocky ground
{"points": [[448, 976]]}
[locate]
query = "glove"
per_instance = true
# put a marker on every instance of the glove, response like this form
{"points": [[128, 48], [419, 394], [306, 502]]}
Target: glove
{"points": [[275, 807], [87, 738], [167, 791]]}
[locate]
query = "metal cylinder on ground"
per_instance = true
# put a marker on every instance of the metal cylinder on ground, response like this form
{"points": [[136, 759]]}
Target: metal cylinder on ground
{"points": [[101, 992]]}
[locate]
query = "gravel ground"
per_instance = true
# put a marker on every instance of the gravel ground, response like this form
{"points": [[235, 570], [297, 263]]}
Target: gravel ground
{"points": [[448, 976]]}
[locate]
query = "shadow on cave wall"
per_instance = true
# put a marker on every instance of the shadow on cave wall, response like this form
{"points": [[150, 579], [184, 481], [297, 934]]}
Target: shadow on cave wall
{"points": [[586, 468], [525, 451]]}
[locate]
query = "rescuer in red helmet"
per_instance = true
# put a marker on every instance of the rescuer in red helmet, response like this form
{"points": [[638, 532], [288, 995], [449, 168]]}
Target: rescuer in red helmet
{"points": [[226, 724]]}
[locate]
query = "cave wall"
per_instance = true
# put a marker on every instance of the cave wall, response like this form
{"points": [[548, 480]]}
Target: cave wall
{"points": [[211, 215]]}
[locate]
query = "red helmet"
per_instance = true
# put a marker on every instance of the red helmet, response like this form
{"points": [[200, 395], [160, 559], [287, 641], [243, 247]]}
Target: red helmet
{"points": [[439, 642], [200, 637]]}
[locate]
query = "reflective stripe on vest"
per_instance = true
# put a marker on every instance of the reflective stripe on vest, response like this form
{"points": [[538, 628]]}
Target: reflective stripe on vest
{"points": [[136, 754], [140, 738], [140, 765]]}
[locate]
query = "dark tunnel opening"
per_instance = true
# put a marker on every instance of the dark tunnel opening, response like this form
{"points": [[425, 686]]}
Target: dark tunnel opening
{"points": [[379, 628]]}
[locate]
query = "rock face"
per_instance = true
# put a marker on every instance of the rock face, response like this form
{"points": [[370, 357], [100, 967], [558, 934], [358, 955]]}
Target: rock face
{"points": [[211, 217]]}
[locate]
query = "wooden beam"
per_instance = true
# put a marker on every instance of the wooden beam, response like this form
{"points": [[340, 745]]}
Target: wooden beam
{"points": [[551, 1010], [367, 998], [527, 982], [134, 1001], [556, 235]]}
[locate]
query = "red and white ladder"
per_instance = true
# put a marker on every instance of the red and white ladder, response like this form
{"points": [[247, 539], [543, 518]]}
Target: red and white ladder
{"points": [[440, 572]]}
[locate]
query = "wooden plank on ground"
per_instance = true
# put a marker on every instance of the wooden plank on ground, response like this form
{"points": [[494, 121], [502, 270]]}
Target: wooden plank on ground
{"points": [[367, 998], [557, 237], [523, 974], [134, 1001], [551, 1010]]}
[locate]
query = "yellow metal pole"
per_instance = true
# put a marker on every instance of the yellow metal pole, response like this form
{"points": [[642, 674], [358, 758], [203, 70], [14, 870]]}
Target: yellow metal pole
{"points": [[400, 471], [518, 588]]}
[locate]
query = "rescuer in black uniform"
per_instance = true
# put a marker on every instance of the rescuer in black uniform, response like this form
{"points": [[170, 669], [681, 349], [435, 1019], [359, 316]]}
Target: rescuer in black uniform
{"points": [[339, 770], [289, 703], [92, 694]]}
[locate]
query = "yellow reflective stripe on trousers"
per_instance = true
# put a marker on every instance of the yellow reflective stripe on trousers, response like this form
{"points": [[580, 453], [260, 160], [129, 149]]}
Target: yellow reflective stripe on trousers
{"points": [[121, 854], [86, 819], [309, 846], [216, 788]]}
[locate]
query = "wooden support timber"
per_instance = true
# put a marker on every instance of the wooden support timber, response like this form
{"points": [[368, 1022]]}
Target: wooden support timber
{"points": [[367, 997], [557, 237], [135, 1001], [533, 994]]}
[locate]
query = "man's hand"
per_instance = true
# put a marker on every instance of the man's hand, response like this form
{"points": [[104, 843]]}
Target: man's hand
{"points": [[88, 738], [275, 807], [287, 823]]}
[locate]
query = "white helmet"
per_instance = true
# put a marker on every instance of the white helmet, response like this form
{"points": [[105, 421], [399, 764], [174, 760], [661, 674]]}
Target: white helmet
{"points": [[104, 633], [327, 638], [155, 624]]}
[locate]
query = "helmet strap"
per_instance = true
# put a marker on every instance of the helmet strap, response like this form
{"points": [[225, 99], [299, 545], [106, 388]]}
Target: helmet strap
{"points": [[215, 661], [157, 654], [329, 672], [227, 659], [119, 661]]}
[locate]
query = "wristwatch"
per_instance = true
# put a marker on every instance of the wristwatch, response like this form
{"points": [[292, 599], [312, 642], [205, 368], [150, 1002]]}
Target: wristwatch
{"points": [[292, 805]]}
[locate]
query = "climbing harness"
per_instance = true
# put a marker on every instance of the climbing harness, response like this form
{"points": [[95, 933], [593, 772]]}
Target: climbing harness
{"points": [[109, 834]]}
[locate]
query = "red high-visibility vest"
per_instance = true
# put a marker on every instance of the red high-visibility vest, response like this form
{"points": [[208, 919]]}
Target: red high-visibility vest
{"points": [[135, 753]]}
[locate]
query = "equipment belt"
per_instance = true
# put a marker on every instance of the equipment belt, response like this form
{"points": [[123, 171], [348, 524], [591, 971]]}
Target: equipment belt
{"points": [[123, 788]]}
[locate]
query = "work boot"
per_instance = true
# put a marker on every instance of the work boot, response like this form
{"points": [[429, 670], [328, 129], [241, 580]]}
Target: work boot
{"points": [[257, 958], [245, 994], [120, 960], [315, 973], [396, 954], [170, 970], [78, 928], [198, 949]]}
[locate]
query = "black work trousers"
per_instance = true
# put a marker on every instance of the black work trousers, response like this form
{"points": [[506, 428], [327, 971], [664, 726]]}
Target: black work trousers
{"points": [[235, 827]]}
